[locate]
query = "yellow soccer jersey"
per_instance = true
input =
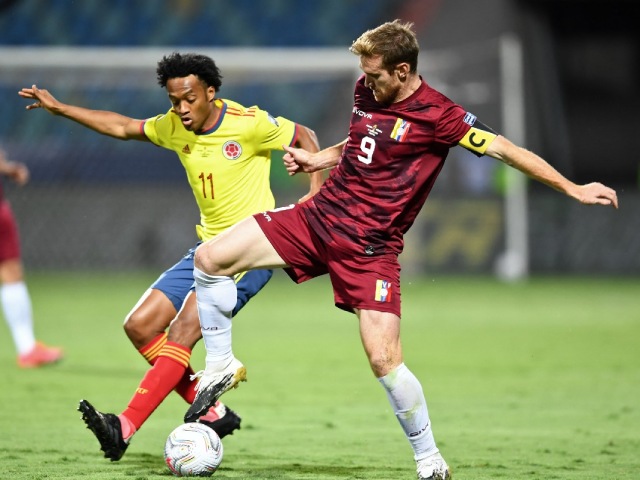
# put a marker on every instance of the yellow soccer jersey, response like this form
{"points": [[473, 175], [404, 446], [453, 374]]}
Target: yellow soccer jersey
{"points": [[228, 165]]}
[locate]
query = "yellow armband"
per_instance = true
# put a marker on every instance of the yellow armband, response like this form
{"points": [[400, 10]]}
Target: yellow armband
{"points": [[477, 140]]}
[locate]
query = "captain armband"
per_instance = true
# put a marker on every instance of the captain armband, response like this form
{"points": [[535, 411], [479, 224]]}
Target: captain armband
{"points": [[478, 138]]}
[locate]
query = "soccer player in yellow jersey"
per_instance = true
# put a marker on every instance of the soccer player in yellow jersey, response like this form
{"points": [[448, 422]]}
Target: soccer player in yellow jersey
{"points": [[225, 150]]}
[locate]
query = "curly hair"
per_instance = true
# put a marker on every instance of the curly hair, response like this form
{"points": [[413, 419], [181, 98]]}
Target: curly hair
{"points": [[179, 65], [395, 41]]}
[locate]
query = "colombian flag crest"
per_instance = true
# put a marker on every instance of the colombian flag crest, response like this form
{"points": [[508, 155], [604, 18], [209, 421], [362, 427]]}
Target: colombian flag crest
{"points": [[400, 130], [383, 291]]}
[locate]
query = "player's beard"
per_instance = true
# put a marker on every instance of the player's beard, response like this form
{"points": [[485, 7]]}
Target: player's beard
{"points": [[387, 96]]}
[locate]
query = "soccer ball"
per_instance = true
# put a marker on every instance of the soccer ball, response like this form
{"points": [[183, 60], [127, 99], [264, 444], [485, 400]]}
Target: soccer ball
{"points": [[193, 450]]}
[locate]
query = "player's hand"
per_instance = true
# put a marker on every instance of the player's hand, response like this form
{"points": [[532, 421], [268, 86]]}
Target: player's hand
{"points": [[43, 99], [20, 174], [297, 160], [596, 194]]}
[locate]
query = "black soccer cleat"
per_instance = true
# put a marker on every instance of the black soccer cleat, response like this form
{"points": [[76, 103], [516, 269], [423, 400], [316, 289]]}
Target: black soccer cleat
{"points": [[226, 424], [106, 427]]}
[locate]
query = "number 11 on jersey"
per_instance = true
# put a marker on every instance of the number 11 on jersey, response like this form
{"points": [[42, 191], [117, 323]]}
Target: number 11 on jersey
{"points": [[204, 184]]}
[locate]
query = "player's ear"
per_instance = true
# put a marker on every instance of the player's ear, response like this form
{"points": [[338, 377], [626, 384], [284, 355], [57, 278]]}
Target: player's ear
{"points": [[402, 70], [211, 94]]}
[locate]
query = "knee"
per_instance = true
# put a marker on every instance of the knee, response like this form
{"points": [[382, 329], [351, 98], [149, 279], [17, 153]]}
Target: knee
{"points": [[384, 361], [138, 329], [204, 260]]}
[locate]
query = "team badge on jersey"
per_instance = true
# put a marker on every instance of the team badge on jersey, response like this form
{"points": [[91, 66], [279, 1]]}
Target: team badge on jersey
{"points": [[400, 130], [231, 150], [383, 291]]}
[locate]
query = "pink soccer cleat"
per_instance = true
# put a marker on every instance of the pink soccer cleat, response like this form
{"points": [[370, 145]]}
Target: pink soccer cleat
{"points": [[40, 355]]}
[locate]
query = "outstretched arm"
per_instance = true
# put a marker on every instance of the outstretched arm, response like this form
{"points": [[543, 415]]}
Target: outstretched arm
{"points": [[535, 167], [299, 160], [102, 121], [308, 141]]}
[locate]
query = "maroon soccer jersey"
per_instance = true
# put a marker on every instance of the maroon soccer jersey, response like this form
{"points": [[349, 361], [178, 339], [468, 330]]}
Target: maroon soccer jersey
{"points": [[9, 239], [389, 164]]}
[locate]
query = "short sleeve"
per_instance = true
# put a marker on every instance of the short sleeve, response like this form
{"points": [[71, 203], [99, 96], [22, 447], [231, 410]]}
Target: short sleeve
{"points": [[156, 128], [274, 131], [452, 125]]}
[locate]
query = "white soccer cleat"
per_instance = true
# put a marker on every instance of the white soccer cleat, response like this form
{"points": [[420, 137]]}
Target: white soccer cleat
{"points": [[433, 468], [212, 385]]}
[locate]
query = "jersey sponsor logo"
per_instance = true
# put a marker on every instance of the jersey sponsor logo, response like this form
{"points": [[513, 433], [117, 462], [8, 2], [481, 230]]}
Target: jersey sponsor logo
{"points": [[360, 113], [186, 149], [470, 119], [272, 120], [400, 130], [477, 140], [383, 291], [231, 150]]}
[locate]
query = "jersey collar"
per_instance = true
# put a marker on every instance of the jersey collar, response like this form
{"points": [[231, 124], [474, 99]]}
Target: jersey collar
{"points": [[223, 109]]}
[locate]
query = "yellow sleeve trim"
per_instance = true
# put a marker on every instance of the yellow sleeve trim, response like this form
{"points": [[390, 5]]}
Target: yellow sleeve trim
{"points": [[477, 140]]}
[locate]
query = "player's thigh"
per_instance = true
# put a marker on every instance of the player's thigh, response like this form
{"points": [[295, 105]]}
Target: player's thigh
{"points": [[380, 335], [242, 247], [185, 327]]}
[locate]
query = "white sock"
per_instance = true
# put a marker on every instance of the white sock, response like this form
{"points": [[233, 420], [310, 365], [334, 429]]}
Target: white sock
{"points": [[216, 298], [410, 407], [16, 305]]}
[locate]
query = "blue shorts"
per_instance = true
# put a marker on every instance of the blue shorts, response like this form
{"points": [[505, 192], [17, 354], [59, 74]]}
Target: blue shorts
{"points": [[178, 281]]}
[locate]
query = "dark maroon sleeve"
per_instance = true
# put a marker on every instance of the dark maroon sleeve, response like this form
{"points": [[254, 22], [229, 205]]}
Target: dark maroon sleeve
{"points": [[453, 124]]}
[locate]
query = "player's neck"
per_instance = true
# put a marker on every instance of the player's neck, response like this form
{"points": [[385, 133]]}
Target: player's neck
{"points": [[411, 85], [213, 117]]}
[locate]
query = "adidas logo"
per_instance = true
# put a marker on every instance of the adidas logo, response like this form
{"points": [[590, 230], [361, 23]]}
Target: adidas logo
{"points": [[186, 149]]}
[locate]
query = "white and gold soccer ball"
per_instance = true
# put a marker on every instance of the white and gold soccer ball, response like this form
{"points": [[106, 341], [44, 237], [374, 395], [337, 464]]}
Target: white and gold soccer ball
{"points": [[193, 450]]}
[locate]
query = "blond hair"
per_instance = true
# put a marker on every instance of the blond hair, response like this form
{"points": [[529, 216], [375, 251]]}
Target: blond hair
{"points": [[395, 41]]}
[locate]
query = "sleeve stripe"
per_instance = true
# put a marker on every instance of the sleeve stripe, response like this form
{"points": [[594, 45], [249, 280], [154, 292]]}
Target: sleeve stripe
{"points": [[142, 124], [295, 135]]}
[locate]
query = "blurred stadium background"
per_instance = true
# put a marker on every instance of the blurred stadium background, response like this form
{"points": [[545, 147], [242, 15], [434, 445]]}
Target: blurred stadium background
{"points": [[98, 203]]}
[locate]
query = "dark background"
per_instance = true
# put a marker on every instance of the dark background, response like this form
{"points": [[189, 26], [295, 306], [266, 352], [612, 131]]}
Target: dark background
{"points": [[581, 72]]}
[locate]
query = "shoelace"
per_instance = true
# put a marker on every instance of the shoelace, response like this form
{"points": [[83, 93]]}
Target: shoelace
{"points": [[199, 374]]}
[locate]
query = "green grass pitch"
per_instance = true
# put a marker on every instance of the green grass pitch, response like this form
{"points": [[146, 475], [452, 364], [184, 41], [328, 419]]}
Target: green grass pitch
{"points": [[539, 380]]}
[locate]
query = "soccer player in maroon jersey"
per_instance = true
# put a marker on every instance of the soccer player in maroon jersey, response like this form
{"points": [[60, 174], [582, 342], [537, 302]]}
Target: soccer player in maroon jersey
{"points": [[14, 296], [400, 133]]}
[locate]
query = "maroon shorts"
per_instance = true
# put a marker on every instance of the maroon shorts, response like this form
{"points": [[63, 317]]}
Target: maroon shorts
{"points": [[359, 281], [9, 240]]}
